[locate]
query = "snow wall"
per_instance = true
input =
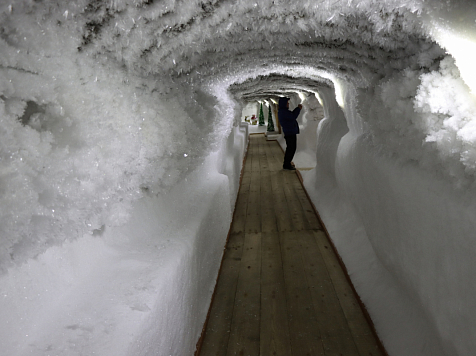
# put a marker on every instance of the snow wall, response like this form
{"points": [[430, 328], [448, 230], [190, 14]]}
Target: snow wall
{"points": [[121, 148], [138, 285], [404, 227], [117, 194]]}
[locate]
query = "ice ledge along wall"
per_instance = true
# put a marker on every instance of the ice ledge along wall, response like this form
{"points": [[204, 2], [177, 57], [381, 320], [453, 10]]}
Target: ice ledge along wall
{"points": [[180, 314], [181, 309], [406, 237]]}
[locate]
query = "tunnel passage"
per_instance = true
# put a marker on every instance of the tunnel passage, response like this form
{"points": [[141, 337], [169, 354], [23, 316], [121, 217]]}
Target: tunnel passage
{"points": [[111, 106]]}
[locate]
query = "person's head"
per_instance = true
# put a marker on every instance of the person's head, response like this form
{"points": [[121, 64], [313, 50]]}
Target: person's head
{"points": [[283, 102]]}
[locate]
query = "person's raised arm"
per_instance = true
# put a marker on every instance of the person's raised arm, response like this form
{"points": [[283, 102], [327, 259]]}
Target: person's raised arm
{"points": [[297, 110]]}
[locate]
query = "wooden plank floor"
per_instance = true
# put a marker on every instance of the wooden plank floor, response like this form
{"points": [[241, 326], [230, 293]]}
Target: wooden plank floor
{"points": [[281, 290]]}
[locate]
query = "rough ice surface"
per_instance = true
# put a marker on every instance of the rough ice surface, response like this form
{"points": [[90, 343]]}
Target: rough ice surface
{"points": [[121, 148]]}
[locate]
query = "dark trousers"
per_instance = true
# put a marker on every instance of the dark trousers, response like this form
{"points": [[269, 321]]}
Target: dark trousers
{"points": [[291, 141]]}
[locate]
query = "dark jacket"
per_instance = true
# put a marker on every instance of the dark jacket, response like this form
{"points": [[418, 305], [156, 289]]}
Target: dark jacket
{"points": [[287, 118]]}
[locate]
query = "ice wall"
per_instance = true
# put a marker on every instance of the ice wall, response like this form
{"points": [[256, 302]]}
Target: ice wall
{"points": [[139, 289], [117, 192], [400, 217], [66, 169]]}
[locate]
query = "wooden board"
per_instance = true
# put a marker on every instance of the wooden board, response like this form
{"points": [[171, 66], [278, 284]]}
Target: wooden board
{"points": [[333, 325], [219, 323], [253, 209], [302, 318], [283, 221], [268, 214], [275, 156], [297, 216], [358, 325], [306, 205], [239, 216], [244, 336], [274, 334], [255, 163]]}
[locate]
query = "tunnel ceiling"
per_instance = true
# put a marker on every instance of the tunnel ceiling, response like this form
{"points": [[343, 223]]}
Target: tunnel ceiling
{"points": [[200, 41], [273, 86]]}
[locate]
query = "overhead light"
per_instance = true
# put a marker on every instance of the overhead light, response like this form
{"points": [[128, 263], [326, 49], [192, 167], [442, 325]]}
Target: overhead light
{"points": [[318, 97], [464, 51], [339, 93]]}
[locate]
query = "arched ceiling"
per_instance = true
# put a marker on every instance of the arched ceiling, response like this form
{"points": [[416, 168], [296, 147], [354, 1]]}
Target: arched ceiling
{"points": [[203, 40], [231, 41]]}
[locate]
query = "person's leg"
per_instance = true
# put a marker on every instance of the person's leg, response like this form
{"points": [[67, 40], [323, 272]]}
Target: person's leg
{"points": [[290, 150]]}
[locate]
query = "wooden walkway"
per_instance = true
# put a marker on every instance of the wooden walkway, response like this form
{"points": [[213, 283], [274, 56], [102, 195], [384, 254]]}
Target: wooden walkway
{"points": [[281, 290]]}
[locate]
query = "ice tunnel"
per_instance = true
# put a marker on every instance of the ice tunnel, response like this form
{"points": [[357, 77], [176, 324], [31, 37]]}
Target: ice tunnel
{"points": [[122, 144]]}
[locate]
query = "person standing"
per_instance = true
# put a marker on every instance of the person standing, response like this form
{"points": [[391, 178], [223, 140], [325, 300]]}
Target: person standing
{"points": [[288, 121]]}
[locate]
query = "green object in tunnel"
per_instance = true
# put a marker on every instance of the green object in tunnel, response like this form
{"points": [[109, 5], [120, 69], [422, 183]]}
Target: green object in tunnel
{"points": [[261, 116], [270, 121]]}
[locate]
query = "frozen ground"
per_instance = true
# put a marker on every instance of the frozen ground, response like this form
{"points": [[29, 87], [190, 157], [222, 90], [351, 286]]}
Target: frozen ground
{"points": [[121, 145]]}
